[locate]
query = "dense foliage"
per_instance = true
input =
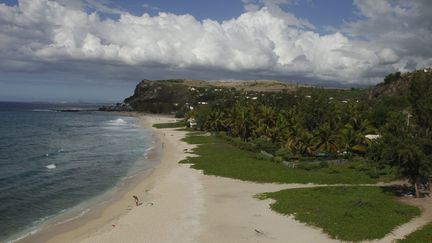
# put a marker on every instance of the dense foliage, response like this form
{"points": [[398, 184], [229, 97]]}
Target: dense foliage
{"points": [[238, 163], [309, 122], [330, 123], [407, 139]]}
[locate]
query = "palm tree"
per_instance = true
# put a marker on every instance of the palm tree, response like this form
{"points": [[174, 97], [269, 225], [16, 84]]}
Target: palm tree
{"points": [[325, 139], [240, 122], [216, 121]]}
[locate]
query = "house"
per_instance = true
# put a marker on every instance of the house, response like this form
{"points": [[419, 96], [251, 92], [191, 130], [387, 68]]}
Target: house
{"points": [[372, 136], [191, 123]]}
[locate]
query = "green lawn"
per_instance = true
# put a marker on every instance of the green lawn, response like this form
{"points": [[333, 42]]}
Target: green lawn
{"points": [[169, 125], [422, 235], [217, 157], [352, 213]]}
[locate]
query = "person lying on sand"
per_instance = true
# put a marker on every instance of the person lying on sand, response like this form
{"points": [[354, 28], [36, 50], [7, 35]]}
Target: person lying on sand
{"points": [[136, 200]]}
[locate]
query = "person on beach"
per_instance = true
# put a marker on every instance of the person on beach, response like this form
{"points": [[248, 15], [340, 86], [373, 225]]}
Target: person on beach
{"points": [[136, 200]]}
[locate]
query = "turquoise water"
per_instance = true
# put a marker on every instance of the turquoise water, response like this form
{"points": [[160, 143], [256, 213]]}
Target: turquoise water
{"points": [[51, 161]]}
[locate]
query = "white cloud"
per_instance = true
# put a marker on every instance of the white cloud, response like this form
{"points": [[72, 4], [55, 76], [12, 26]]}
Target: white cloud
{"points": [[43, 35], [399, 31]]}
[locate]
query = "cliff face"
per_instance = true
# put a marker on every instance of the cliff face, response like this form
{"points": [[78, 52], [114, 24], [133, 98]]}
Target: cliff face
{"points": [[398, 84], [159, 96], [167, 96], [398, 87]]}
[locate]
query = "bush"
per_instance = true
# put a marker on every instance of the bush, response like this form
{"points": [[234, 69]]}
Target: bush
{"points": [[243, 145], [261, 156], [265, 145], [277, 159], [373, 174], [284, 153], [308, 166], [323, 164], [334, 171]]}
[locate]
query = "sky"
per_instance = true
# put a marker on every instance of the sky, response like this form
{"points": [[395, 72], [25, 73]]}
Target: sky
{"points": [[98, 50]]}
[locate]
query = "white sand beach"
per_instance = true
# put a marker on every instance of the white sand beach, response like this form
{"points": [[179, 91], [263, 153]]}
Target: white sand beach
{"points": [[180, 204]]}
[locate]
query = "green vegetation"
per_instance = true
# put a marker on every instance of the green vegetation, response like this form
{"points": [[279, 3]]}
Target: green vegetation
{"points": [[393, 77], [422, 235], [218, 157], [170, 125], [345, 213], [406, 143], [315, 123]]}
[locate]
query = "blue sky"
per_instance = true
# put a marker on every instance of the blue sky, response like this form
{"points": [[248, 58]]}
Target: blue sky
{"points": [[59, 50], [320, 13]]}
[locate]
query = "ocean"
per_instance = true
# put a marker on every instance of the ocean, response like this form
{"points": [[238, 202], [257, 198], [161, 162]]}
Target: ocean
{"points": [[51, 161]]}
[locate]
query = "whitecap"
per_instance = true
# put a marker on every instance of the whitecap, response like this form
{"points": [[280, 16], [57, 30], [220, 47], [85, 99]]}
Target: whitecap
{"points": [[43, 110], [51, 166], [118, 121]]}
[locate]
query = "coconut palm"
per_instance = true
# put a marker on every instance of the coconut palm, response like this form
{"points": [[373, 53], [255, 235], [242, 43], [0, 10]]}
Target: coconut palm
{"points": [[325, 139]]}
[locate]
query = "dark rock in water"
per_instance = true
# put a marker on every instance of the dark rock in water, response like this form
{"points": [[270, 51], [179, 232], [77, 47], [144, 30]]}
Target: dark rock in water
{"points": [[118, 107], [69, 110]]}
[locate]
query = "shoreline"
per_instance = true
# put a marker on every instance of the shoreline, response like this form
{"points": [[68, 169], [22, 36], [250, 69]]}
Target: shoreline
{"points": [[71, 218], [181, 204]]}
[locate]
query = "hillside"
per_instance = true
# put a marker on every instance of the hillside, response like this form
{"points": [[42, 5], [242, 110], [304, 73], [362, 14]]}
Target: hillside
{"points": [[397, 84], [178, 95], [165, 96]]}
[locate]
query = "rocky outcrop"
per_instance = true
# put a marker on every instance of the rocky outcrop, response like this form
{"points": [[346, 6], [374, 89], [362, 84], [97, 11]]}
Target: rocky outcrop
{"points": [[398, 84], [170, 96], [163, 96]]}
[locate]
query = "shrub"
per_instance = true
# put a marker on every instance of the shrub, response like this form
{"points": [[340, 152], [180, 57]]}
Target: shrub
{"points": [[277, 159], [261, 156], [323, 164], [265, 145], [284, 153]]}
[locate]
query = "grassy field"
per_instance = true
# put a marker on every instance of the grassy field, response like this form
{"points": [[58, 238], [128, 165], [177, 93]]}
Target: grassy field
{"points": [[217, 157], [352, 213], [169, 125], [422, 235]]}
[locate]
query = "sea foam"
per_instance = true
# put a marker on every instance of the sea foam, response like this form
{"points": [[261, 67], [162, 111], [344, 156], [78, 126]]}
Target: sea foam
{"points": [[117, 122], [51, 166]]}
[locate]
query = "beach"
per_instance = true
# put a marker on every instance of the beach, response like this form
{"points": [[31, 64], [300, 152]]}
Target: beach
{"points": [[180, 204]]}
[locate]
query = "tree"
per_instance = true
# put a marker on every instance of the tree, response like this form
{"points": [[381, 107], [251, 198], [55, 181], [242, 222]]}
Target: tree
{"points": [[421, 100], [407, 149], [325, 139]]}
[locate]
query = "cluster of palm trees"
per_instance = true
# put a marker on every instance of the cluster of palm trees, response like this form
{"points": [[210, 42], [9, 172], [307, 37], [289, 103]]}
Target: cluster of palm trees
{"points": [[303, 126]]}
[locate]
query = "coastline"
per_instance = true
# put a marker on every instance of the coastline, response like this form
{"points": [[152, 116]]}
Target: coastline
{"points": [[183, 205], [180, 204], [90, 209]]}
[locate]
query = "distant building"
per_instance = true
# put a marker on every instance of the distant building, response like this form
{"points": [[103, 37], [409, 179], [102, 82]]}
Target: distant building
{"points": [[191, 122], [372, 136]]}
